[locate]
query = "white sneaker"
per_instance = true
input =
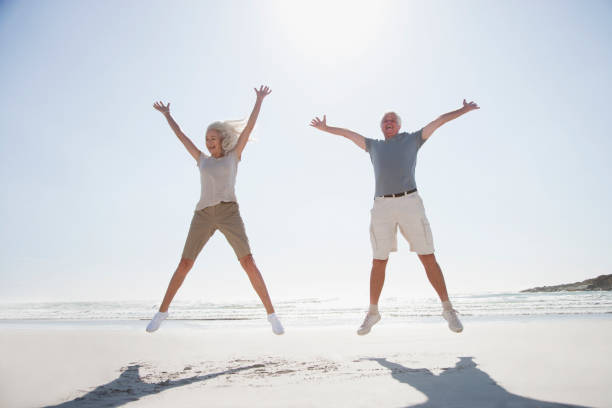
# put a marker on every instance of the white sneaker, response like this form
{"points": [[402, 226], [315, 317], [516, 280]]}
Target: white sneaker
{"points": [[370, 320], [453, 321], [277, 327], [156, 321]]}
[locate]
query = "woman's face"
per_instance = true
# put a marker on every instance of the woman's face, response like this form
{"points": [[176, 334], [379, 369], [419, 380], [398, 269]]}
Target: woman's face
{"points": [[213, 143]]}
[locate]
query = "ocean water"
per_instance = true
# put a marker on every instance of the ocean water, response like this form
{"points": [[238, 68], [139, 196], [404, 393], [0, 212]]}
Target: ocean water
{"points": [[322, 311]]}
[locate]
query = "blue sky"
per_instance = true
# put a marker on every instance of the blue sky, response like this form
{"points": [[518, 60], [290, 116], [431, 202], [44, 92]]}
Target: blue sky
{"points": [[98, 193]]}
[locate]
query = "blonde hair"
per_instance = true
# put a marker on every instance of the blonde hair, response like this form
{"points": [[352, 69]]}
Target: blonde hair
{"points": [[229, 131]]}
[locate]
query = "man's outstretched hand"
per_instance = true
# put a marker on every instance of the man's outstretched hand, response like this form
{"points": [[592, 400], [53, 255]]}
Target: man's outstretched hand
{"points": [[318, 123]]}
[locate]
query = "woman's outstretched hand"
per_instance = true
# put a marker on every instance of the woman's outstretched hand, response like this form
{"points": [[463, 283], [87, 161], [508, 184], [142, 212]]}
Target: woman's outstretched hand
{"points": [[262, 92], [161, 107], [318, 123]]}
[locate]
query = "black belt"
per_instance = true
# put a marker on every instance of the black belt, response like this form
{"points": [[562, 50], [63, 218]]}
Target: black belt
{"points": [[401, 194]]}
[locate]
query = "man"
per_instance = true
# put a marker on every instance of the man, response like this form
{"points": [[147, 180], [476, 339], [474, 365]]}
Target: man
{"points": [[398, 204]]}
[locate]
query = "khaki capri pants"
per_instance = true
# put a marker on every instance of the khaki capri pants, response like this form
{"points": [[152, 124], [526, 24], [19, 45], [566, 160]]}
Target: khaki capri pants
{"points": [[224, 217]]}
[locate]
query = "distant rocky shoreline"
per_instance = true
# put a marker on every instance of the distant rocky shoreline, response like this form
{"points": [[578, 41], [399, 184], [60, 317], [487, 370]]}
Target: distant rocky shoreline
{"points": [[602, 282]]}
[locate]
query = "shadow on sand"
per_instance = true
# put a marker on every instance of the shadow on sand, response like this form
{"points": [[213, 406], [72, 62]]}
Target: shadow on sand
{"points": [[461, 386], [129, 387]]}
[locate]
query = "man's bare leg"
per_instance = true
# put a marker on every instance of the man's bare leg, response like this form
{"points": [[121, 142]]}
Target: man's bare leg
{"points": [[377, 279], [434, 274]]}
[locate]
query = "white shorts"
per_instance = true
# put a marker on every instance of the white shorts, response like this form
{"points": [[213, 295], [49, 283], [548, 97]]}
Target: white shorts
{"points": [[408, 213]]}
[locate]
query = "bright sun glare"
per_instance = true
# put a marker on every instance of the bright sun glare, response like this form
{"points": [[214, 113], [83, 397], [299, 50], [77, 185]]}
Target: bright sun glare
{"points": [[336, 28]]}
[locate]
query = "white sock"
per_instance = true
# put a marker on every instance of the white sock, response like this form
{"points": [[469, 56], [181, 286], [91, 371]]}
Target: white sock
{"points": [[447, 305], [373, 309]]}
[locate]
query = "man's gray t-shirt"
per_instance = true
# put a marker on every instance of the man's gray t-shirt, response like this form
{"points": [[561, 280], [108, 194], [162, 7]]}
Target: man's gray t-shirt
{"points": [[394, 162]]}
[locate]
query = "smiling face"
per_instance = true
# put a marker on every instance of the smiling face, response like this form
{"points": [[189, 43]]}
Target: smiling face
{"points": [[213, 143], [390, 125]]}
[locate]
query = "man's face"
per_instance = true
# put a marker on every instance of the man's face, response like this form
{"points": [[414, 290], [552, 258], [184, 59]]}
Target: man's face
{"points": [[389, 125]]}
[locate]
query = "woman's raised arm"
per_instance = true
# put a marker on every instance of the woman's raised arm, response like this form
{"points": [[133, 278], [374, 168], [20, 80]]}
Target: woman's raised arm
{"points": [[191, 148], [244, 136]]}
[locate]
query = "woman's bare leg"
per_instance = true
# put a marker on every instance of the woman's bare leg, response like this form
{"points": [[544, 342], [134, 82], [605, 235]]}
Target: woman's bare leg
{"points": [[182, 269], [248, 264]]}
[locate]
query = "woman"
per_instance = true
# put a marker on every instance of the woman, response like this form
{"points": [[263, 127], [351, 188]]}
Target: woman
{"points": [[217, 208]]}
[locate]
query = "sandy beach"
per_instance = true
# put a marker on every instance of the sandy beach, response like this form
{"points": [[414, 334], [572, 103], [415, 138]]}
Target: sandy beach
{"points": [[543, 362]]}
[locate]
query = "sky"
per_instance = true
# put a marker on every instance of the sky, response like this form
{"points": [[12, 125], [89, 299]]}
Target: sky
{"points": [[98, 194]]}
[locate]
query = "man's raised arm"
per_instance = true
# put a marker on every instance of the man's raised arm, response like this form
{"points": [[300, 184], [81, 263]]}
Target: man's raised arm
{"points": [[447, 117], [355, 137]]}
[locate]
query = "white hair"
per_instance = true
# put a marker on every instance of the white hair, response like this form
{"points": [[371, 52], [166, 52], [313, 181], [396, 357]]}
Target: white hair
{"points": [[399, 120], [229, 131]]}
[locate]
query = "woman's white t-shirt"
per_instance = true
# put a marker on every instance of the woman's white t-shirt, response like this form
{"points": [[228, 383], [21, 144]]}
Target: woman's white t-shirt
{"points": [[218, 179]]}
